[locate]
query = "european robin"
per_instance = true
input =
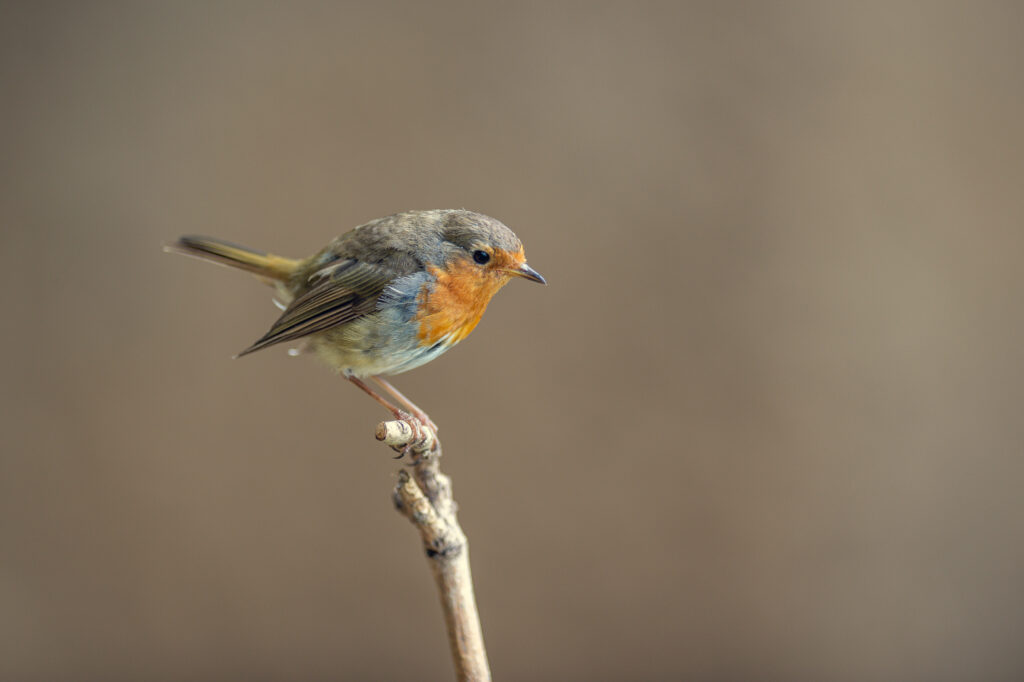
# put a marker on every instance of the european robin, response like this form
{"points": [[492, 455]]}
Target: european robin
{"points": [[385, 297]]}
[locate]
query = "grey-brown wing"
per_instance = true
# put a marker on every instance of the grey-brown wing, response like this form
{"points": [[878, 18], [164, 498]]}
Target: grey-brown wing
{"points": [[338, 294]]}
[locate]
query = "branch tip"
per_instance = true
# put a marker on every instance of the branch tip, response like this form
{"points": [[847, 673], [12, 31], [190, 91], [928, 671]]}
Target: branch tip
{"points": [[399, 433]]}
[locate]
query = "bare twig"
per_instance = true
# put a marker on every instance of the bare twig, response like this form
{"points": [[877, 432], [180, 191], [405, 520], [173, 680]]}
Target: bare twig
{"points": [[425, 498], [400, 433]]}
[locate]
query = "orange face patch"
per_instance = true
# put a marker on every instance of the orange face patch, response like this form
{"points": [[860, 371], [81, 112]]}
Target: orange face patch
{"points": [[460, 294]]}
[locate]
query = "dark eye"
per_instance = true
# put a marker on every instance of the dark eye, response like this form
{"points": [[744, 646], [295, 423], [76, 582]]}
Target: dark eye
{"points": [[481, 257]]}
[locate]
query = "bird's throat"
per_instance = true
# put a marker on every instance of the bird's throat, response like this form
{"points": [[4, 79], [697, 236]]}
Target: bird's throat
{"points": [[451, 306]]}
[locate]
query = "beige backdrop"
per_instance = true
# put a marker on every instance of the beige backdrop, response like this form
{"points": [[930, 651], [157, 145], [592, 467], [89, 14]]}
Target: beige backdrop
{"points": [[764, 424]]}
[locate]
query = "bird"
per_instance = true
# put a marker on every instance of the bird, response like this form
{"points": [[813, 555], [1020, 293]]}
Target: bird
{"points": [[385, 297]]}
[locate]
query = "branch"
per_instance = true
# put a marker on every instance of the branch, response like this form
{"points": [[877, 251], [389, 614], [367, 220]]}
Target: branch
{"points": [[425, 498]]}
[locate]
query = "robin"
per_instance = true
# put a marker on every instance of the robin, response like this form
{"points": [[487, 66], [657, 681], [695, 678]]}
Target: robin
{"points": [[385, 297]]}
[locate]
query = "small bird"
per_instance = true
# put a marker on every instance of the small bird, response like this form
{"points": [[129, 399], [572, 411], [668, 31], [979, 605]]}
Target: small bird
{"points": [[385, 297]]}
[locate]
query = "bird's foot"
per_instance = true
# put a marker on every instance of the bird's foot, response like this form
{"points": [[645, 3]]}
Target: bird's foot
{"points": [[425, 421], [419, 423]]}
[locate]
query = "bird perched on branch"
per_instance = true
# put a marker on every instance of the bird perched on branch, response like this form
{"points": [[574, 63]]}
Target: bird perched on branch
{"points": [[385, 297]]}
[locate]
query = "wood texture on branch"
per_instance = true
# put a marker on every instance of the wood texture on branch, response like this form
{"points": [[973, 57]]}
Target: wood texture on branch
{"points": [[424, 496]]}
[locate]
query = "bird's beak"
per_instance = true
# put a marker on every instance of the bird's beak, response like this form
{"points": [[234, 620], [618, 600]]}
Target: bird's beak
{"points": [[526, 272]]}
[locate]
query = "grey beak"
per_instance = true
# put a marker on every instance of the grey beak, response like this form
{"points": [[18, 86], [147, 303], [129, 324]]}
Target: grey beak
{"points": [[526, 272]]}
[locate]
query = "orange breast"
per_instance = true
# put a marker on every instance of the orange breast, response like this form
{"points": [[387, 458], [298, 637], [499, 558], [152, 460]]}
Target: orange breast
{"points": [[456, 302]]}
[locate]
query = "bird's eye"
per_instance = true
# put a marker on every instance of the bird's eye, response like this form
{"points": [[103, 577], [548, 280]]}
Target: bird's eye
{"points": [[481, 257]]}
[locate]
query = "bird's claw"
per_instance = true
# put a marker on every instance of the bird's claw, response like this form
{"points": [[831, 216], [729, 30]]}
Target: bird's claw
{"points": [[417, 423]]}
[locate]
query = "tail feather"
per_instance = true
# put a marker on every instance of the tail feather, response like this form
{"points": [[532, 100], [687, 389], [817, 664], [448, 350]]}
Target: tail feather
{"points": [[264, 265]]}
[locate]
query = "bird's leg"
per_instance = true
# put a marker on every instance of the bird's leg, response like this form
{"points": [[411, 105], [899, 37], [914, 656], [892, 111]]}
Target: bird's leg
{"points": [[412, 419], [408, 404], [376, 396]]}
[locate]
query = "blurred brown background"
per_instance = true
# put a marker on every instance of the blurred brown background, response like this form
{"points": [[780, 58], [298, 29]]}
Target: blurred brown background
{"points": [[763, 424]]}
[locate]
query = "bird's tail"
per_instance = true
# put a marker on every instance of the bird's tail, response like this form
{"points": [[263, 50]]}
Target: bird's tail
{"points": [[264, 265]]}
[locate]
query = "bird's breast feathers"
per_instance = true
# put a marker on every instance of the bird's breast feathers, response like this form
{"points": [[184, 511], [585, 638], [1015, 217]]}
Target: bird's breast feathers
{"points": [[452, 303]]}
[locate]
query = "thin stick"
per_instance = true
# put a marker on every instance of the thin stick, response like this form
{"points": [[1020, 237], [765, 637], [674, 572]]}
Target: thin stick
{"points": [[425, 498]]}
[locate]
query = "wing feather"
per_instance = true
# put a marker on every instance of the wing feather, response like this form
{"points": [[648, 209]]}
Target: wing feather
{"points": [[339, 293]]}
